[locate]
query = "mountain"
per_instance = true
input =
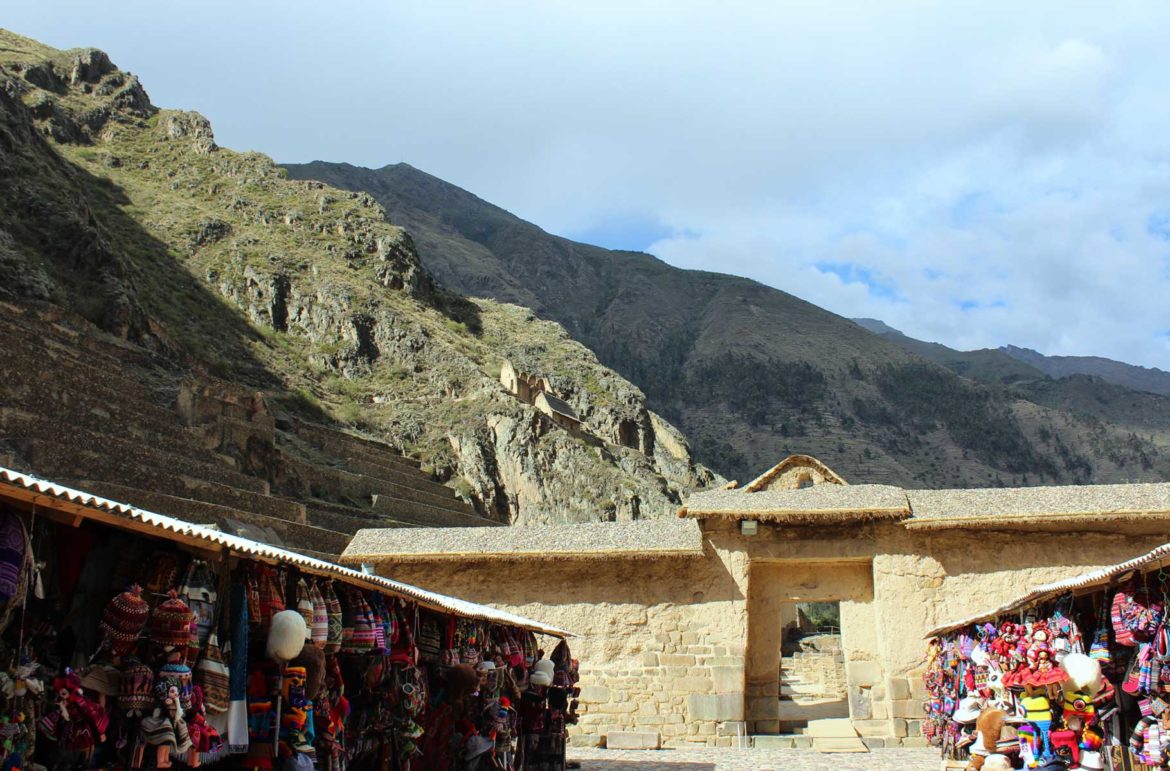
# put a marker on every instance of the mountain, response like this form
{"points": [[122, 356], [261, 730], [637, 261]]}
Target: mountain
{"points": [[987, 365], [750, 372], [133, 226], [1151, 379]]}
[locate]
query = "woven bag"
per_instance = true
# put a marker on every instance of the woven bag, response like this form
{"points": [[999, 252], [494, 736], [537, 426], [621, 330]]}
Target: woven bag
{"points": [[213, 676]]}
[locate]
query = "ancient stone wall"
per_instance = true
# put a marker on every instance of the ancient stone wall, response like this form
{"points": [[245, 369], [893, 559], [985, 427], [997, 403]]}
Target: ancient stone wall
{"points": [[689, 648]]}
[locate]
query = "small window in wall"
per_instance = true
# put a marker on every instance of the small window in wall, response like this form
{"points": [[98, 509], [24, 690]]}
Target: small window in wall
{"points": [[804, 480]]}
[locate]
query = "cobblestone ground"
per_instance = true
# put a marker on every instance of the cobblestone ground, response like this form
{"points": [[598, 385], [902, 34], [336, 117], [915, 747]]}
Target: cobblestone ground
{"points": [[718, 759]]}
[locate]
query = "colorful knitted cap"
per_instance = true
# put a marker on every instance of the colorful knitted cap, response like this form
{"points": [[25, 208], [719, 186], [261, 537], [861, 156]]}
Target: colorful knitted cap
{"points": [[170, 625], [123, 620], [137, 692]]}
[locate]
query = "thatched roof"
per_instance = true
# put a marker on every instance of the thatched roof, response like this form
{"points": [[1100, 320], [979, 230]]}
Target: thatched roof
{"points": [[643, 539], [763, 480], [816, 504], [991, 508], [1091, 581]]}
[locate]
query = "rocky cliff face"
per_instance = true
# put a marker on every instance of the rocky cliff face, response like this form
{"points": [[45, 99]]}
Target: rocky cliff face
{"points": [[136, 219]]}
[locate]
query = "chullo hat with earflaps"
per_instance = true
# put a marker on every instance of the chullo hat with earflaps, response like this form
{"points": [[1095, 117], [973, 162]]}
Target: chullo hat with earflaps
{"points": [[123, 620]]}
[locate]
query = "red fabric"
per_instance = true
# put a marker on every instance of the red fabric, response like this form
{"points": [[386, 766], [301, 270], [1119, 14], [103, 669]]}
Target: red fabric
{"points": [[73, 545]]}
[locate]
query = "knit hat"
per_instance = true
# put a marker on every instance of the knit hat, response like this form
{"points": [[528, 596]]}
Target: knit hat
{"points": [[12, 553], [305, 606], [102, 678], [336, 618], [123, 620], [170, 624], [137, 690], [319, 631], [358, 631]]}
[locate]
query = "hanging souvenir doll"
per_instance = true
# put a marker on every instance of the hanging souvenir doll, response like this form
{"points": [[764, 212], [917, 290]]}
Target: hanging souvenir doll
{"points": [[165, 729], [75, 724]]}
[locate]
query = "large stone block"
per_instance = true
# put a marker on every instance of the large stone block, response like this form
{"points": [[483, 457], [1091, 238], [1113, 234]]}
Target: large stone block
{"points": [[764, 709], [676, 660], [872, 727], [860, 706], [772, 742], [633, 740], [715, 707], [899, 727], [594, 694], [908, 708], [898, 688], [727, 679], [863, 672]]}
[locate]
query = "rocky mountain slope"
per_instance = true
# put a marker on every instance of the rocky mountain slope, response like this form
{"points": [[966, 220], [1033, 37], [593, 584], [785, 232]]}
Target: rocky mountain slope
{"points": [[213, 261], [1151, 379], [751, 373]]}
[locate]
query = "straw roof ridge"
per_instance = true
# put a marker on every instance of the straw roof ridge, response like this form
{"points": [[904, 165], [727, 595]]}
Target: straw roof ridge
{"points": [[983, 507], [763, 480], [640, 539], [816, 503]]}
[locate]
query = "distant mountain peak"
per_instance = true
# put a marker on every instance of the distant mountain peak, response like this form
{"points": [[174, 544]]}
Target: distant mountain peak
{"points": [[877, 326]]}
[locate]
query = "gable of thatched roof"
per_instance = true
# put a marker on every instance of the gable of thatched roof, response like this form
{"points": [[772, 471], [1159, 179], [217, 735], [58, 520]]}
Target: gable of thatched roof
{"points": [[1056, 506], [559, 406], [642, 539], [811, 505], [793, 462]]}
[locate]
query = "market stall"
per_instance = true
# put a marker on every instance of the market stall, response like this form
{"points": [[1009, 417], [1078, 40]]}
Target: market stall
{"points": [[1074, 674], [132, 639]]}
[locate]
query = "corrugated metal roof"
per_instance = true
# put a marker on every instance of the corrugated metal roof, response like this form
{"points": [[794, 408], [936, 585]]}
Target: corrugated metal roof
{"points": [[1093, 578], [261, 551]]}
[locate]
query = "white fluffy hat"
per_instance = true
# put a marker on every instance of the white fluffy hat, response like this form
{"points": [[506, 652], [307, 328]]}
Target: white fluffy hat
{"points": [[1084, 673], [286, 636]]}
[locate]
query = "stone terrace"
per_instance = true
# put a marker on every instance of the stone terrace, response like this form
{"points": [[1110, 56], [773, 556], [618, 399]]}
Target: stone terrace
{"points": [[83, 408]]}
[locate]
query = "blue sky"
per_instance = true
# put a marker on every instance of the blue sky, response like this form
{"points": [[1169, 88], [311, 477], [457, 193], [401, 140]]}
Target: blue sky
{"points": [[976, 173]]}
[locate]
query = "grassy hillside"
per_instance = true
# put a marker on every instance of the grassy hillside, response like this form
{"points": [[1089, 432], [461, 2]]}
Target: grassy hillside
{"points": [[749, 372], [133, 217]]}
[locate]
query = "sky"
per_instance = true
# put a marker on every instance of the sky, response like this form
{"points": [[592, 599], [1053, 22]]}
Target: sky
{"points": [[972, 173]]}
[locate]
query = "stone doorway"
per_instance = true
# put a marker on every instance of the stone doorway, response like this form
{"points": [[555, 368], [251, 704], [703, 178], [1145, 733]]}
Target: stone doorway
{"points": [[807, 621], [812, 665]]}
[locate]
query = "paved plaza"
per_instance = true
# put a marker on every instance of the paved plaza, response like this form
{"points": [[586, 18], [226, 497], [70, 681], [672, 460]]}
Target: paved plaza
{"points": [[720, 759]]}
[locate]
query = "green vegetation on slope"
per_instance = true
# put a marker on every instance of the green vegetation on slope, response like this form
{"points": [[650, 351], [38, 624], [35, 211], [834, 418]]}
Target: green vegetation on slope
{"points": [[134, 217], [751, 373]]}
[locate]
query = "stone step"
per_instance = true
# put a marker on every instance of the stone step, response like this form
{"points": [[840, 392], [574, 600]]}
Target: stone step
{"points": [[360, 487], [49, 461], [343, 444], [346, 519], [419, 514], [51, 358], [196, 464], [56, 421], [52, 323], [416, 478], [291, 534]]}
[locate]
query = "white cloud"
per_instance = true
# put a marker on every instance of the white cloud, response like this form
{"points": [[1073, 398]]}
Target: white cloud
{"points": [[991, 167]]}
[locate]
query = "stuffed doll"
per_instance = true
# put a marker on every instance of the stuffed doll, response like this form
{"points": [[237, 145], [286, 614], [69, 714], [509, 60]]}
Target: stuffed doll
{"points": [[75, 723], [1080, 688], [1038, 712]]}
